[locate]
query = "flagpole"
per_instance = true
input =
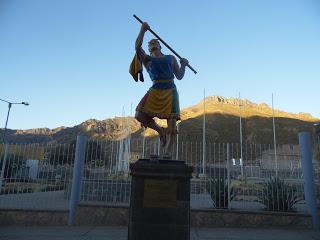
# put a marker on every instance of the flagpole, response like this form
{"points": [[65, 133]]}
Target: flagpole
{"points": [[204, 132], [274, 139], [241, 149]]}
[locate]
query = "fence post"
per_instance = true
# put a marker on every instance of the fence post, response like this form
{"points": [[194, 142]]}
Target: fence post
{"points": [[77, 178], [228, 175], [308, 176], [4, 163]]}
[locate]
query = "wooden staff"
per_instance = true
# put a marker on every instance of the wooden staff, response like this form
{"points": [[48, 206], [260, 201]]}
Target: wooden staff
{"points": [[164, 43]]}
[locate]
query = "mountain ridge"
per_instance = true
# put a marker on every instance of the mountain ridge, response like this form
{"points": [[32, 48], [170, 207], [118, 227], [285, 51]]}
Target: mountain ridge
{"points": [[216, 109]]}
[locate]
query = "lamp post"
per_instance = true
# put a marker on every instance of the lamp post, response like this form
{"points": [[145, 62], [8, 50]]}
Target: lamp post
{"points": [[9, 108], [4, 137]]}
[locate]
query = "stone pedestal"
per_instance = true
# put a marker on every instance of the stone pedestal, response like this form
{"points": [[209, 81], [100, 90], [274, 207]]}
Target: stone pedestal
{"points": [[160, 200]]}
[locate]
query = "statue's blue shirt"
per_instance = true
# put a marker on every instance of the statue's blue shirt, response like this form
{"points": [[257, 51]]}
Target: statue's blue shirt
{"points": [[161, 68]]}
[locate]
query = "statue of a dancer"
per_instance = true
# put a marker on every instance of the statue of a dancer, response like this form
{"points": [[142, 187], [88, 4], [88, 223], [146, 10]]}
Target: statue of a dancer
{"points": [[162, 99]]}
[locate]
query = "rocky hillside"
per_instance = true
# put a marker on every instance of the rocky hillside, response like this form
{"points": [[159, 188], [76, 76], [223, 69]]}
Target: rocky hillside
{"points": [[223, 121], [222, 124]]}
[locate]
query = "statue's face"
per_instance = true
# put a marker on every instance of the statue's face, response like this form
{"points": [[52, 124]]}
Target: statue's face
{"points": [[154, 45]]}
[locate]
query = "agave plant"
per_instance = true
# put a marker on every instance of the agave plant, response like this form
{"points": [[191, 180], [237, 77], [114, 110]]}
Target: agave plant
{"points": [[218, 189], [279, 196]]}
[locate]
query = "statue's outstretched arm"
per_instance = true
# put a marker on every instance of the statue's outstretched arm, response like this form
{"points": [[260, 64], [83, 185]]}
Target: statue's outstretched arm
{"points": [[179, 70]]}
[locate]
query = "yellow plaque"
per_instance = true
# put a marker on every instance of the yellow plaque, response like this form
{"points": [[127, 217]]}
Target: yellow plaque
{"points": [[160, 193]]}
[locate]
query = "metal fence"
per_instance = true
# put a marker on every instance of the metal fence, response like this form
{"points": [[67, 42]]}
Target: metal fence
{"points": [[226, 175], [35, 176]]}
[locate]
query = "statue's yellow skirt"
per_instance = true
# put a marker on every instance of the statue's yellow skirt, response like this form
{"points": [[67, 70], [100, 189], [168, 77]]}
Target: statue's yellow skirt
{"points": [[161, 100]]}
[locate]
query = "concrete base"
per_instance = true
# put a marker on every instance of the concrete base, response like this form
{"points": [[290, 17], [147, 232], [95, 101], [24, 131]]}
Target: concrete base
{"points": [[160, 200], [33, 218], [89, 215]]}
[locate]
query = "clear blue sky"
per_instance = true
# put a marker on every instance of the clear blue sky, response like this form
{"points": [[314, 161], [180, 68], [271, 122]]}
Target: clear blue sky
{"points": [[70, 59]]}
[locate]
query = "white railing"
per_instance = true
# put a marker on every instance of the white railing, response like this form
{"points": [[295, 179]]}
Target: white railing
{"points": [[35, 176], [38, 176]]}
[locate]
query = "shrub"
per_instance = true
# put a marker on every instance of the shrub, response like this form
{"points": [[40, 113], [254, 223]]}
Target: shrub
{"points": [[50, 188], [26, 190], [15, 190], [218, 190], [279, 196], [8, 191]]}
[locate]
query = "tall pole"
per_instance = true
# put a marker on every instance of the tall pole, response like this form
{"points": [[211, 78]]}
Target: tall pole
{"points": [[9, 107], [240, 126], [121, 143], [128, 141], [4, 162], [274, 139], [5, 128], [204, 132], [228, 176]]}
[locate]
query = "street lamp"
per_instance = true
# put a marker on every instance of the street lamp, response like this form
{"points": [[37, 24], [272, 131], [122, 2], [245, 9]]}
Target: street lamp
{"points": [[4, 138], [9, 107]]}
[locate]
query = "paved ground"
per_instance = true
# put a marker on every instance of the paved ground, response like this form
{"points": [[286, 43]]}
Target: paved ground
{"points": [[117, 233], [56, 201]]}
